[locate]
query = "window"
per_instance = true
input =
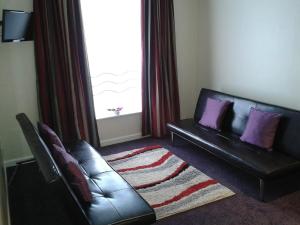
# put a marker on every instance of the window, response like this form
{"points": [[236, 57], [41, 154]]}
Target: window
{"points": [[113, 39]]}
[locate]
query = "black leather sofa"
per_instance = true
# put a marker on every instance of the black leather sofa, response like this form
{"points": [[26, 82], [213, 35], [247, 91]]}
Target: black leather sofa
{"points": [[114, 200], [283, 160]]}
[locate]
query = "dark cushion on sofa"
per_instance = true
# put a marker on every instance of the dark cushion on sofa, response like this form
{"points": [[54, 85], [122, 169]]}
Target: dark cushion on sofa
{"points": [[237, 116], [214, 113], [226, 144], [228, 147], [49, 136], [73, 173], [261, 128]]}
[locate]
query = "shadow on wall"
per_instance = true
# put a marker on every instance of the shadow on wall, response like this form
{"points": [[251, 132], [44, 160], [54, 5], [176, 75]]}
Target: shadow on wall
{"points": [[3, 193], [206, 61]]}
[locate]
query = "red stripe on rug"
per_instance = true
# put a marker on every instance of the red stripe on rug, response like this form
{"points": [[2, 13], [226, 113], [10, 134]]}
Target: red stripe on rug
{"points": [[186, 193], [157, 163], [145, 149], [183, 166]]}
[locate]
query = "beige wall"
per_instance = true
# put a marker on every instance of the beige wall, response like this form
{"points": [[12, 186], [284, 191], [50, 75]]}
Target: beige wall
{"points": [[187, 17], [17, 88], [255, 49]]}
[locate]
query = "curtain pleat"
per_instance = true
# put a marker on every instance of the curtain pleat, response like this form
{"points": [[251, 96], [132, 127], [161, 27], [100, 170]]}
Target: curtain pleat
{"points": [[160, 98], [65, 93]]}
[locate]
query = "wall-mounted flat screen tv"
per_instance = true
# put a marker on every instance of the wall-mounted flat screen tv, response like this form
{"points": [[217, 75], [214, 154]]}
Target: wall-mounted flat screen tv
{"points": [[17, 26]]}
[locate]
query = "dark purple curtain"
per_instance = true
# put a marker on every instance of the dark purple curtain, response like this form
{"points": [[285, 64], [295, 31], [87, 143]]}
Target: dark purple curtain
{"points": [[65, 93], [160, 99]]}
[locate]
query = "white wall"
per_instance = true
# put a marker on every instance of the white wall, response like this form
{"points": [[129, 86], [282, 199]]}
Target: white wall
{"points": [[255, 49], [119, 129], [17, 88]]}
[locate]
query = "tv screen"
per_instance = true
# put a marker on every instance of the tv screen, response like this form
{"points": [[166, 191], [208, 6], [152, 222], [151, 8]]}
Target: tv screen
{"points": [[16, 26]]}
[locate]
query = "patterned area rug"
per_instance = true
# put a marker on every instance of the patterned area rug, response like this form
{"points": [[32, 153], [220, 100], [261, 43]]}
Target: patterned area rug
{"points": [[166, 182]]}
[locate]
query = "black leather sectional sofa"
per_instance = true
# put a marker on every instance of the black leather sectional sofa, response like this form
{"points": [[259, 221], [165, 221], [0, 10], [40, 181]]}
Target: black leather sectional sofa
{"points": [[114, 200], [265, 165]]}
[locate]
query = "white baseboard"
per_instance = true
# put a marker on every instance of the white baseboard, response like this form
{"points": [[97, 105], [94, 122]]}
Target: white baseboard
{"points": [[13, 162], [121, 139]]}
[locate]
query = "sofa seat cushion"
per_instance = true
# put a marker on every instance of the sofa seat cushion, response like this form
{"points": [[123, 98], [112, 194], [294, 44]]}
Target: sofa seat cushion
{"points": [[228, 147], [114, 200]]}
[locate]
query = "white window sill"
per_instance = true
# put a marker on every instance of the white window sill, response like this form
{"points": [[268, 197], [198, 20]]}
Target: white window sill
{"points": [[119, 116]]}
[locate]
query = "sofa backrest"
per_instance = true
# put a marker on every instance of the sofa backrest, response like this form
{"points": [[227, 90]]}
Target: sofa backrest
{"points": [[49, 169], [288, 135], [39, 150]]}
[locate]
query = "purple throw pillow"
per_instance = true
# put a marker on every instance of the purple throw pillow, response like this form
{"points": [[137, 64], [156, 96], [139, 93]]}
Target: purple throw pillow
{"points": [[261, 128], [61, 156], [73, 173], [49, 136], [214, 113]]}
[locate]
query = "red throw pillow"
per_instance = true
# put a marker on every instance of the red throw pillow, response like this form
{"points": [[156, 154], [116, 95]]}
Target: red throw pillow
{"points": [[73, 173], [49, 136]]}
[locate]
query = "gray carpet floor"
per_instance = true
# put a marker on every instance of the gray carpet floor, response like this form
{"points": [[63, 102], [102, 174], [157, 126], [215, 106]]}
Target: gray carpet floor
{"points": [[31, 205]]}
